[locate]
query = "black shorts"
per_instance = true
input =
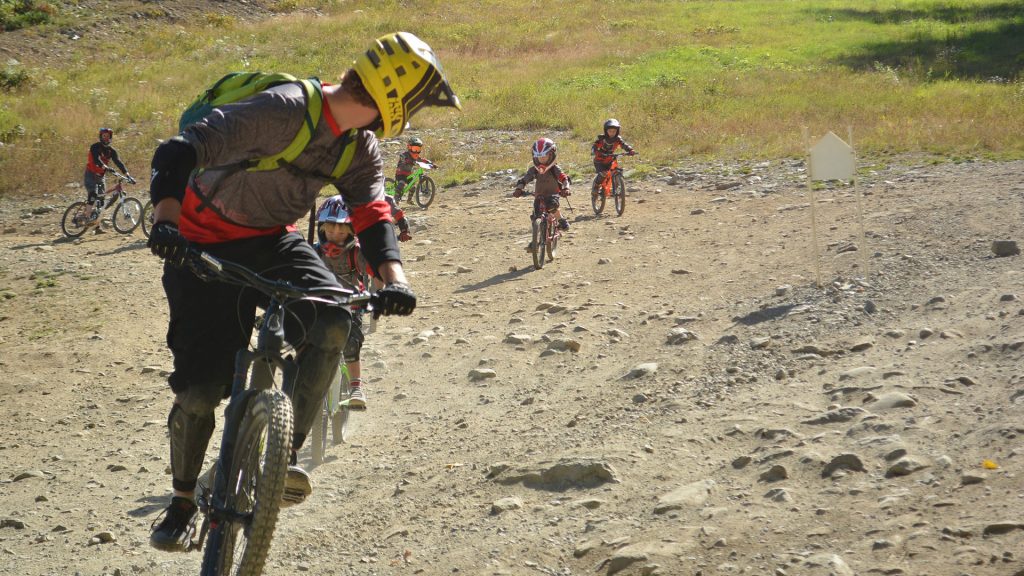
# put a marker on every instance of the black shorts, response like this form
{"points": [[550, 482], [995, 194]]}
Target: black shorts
{"points": [[94, 186], [211, 321], [549, 203]]}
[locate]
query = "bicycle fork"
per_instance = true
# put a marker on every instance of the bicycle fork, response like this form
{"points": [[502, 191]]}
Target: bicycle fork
{"points": [[212, 501]]}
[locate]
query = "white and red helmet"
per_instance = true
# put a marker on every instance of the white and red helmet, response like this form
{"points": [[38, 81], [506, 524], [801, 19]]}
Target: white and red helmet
{"points": [[543, 147]]}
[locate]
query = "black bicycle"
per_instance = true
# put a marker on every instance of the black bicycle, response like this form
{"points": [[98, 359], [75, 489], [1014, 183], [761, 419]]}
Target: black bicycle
{"points": [[241, 502]]}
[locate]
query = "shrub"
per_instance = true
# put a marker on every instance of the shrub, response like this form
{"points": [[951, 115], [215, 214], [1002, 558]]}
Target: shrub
{"points": [[16, 14]]}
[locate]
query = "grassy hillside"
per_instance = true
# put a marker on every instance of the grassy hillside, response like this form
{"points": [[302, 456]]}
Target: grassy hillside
{"points": [[696, 78]]}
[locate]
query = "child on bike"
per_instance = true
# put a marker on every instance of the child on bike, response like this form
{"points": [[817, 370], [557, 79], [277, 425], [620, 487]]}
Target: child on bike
{"points": [[551, 183], [101, 154], [407, 165], [338, 247], [248, 217], [603, 149]]}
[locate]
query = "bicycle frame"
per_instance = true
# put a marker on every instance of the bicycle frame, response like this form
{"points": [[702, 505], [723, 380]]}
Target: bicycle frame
{"points": [[606, 183], [254, 372]]}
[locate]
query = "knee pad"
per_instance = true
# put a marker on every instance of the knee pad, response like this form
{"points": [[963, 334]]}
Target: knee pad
{"points": [[331, 328], [354, 344], [190, 436], [317, 369]]}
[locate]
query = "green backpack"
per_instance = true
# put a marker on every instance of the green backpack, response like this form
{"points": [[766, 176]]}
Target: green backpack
{"points": [[237, 86]]}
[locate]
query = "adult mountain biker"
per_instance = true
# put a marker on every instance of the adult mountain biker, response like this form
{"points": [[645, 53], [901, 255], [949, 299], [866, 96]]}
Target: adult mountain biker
{"points": [[101, 155], [246, 215]]}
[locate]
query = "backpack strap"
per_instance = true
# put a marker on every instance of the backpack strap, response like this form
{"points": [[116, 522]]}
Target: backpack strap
{"points": [[314, 106], [348, 152]]}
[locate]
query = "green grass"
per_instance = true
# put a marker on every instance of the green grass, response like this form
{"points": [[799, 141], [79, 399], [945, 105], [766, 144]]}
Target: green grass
{"points": [[702, 78]]}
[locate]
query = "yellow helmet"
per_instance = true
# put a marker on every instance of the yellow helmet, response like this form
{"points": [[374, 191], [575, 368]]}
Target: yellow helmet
{"points": [[402, 74]]}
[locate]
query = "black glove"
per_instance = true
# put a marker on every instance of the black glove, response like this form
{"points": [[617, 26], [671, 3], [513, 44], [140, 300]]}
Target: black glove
{"points": [[518, 192], [166, 242], [130, 179], [395, 298]]}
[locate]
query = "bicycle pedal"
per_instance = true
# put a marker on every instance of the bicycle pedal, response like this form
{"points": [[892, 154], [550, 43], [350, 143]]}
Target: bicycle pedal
{"points": [[291, 497]]}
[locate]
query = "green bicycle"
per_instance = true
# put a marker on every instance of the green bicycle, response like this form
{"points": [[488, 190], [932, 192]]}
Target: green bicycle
{"points": [[418, 181]]}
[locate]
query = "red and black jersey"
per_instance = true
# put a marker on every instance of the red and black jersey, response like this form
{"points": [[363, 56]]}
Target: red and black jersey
{"points": [[101, 156], [604, 147]]}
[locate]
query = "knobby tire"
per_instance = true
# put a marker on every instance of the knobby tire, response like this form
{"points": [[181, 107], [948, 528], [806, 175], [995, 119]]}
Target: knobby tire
{"points": [[127, 215], [147, 219], [425, 192], [552, 242], [255, 485], [597, 200], [539, 241], [619, 193], [341, 424], [67, 224]]}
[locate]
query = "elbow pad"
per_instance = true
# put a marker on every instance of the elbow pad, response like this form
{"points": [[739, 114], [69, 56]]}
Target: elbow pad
{"points": [[379, 245], [173, 162]]}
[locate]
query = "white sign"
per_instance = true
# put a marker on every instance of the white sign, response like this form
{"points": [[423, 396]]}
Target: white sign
{"points": [[832, 159]]}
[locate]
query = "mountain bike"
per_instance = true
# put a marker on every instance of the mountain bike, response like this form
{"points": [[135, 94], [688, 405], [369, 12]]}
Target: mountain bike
{"points": [[418, 181], [243, 497], [334, 417], [545, 233], [613, 185], [147, 218], [80, 216]]}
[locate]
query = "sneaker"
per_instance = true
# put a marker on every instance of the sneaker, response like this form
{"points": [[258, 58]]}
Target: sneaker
{"points": [[174, 533], [357, 398], [99, 230], [563, 224], [297, 484]]}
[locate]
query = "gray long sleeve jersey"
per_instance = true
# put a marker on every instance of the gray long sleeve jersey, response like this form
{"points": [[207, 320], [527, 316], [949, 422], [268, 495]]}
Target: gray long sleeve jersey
{"points": [[263, 125]]}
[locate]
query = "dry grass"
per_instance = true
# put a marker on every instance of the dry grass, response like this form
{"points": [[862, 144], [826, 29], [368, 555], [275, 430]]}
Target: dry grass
{"points": [[737, 79]]}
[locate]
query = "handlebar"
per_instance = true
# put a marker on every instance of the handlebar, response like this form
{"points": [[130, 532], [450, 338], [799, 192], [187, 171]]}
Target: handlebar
{"points": [[120, 176], [209, 267]]}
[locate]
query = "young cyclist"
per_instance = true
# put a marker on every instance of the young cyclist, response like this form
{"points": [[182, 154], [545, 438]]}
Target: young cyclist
{"points": [[101, 154], [247, 216], [551, 183], [338, 247], [603, 148], [407, 165]]}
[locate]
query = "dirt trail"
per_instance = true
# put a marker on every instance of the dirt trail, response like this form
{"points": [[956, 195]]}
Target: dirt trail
{"points": [[672, 395]]}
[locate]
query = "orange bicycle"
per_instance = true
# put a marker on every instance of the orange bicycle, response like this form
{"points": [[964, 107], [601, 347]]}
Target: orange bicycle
{"points": [[613, 185]]}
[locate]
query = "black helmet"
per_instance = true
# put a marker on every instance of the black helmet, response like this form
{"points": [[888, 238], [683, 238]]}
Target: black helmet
{"points": [[611, 123]]}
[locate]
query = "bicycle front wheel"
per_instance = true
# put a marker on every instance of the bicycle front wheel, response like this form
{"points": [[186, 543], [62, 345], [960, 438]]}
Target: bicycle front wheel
{"points": [[597, 200], [147, 218], [619, 193], [425, 192], [75, 221], [341, 425], [552, 242], [127, 215], [540, 233], [240, 542]]}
